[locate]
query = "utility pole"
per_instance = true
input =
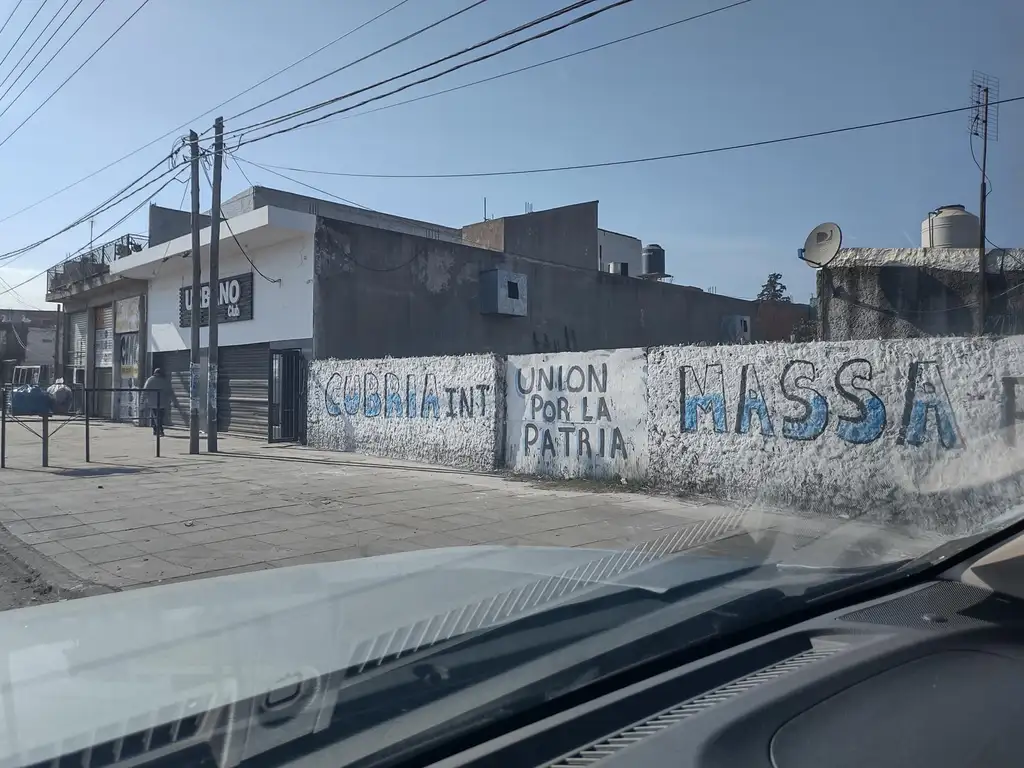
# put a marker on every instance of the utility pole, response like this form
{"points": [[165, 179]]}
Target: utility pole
{"points": [[196, 318], [984, 125], [982, 297], [211, 365]]}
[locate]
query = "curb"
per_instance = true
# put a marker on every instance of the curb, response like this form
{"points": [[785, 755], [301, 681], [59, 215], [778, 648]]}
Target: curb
{"points": [[64, 583]]}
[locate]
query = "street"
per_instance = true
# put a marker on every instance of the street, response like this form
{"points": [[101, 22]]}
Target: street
{"points": [[129, 519]]}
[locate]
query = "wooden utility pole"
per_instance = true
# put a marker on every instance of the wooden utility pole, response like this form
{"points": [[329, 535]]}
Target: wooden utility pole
{"points": [[211, 365], [196, 317]]}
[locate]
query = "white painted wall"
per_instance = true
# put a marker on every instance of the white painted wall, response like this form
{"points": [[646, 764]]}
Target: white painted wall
{"points": [[280, 310], [611, 246], [577, 414], [441, 410], [863, 425]]}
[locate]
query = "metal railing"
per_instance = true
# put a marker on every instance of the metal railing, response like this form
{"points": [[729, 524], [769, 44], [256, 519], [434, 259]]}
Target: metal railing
{"points": [[80, 411], [93, 262]]}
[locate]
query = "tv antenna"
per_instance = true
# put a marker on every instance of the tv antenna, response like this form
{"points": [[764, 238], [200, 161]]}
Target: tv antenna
{"points": [[984, 125], [821, 245]]}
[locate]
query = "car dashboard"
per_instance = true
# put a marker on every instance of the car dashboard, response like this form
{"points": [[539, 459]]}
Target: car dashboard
{"points": [[931, 676]]}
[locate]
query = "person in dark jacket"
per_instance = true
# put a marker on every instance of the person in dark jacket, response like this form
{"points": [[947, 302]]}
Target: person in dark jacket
{"points": [[158, 396]]}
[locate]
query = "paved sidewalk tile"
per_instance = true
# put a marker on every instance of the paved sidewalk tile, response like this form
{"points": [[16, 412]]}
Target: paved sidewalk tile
{"points": [[130, 519]]}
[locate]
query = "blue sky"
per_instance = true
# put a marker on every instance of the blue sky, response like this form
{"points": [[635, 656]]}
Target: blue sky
{"points": [[766, 69]]}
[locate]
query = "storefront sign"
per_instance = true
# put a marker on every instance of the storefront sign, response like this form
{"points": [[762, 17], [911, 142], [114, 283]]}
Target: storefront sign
{"points": [[127, 315], [234, 301]]}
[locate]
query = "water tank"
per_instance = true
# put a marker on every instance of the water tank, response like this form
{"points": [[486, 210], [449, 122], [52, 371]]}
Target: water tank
{"points": [[950, 226], [652, 260], [618, 268]]}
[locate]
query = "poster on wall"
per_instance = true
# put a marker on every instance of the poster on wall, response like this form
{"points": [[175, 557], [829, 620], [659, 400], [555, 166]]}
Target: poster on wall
{"points": [[127, 315], [128, 355], [234, 301], [104, 347]]}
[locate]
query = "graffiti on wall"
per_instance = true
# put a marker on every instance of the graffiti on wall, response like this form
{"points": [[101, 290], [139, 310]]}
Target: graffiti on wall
{"points": [[577, 413], [814, 400], [414, 396]]}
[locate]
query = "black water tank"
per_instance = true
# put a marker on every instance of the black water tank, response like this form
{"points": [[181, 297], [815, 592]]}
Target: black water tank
{"points": [[653, 259]]}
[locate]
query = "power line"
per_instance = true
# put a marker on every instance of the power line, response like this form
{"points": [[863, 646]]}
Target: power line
{"points": [[528, 67], [295, 63], [300, 183], [23, 31], [184, 125], [371, 54], [116, 199], [637, 160], [33, 44], [522, 27], [102, 234], [75, 71], [49, 60], [10, 16], [227, 223]]}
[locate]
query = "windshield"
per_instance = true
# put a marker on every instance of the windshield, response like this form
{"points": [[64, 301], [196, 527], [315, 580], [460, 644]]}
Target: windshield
{"points": [[445, 339]]}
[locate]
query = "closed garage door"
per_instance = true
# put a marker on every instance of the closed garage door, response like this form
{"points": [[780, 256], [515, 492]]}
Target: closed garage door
{"points": [[242, 389], [176, 366]]}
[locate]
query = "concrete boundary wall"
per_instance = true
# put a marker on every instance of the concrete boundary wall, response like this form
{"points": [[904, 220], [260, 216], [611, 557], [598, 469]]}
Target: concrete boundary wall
{"points": [[921, 427], [440, 410], [577, 414]]}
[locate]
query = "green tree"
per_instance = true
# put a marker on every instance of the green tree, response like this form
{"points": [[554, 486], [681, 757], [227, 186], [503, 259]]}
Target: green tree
{"points": [[774, 289]]}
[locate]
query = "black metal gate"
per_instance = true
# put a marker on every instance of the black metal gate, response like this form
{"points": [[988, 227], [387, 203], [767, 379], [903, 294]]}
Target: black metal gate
{"points": [[287, 412]]}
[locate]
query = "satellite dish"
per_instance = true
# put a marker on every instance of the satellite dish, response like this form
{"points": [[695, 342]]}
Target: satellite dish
{"points": [[822, 245]]}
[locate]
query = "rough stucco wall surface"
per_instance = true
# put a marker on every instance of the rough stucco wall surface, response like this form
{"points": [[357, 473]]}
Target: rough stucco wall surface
{"points": [[912, 429], [577, 414], [441, 410]]}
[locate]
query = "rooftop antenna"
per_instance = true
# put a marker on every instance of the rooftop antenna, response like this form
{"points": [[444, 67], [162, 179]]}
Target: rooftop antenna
{"points": [[485, 208], [985, 125], [529, 208]]}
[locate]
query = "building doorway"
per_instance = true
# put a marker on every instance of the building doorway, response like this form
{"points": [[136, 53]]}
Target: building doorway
{"points": [[287, 401]]}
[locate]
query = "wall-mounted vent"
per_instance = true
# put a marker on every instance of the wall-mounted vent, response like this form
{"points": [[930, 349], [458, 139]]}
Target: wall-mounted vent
{"points": [[503, 293]]}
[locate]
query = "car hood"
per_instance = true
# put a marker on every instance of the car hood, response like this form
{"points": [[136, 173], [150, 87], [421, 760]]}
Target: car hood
{"points": [[76, 670]]}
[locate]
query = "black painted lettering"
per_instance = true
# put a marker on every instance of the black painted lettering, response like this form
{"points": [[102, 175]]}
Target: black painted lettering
{"points": [[525, 389], [530, 437], [465, 403], [483, 389], [602, 410], [618, 444], [546, 379], [547, 444], [581, 379], [563, 409], [566, 434], [595, 381], [550, 411], [600, 443], [451, 401], [536, 406], [584, 440], [586, 416]]}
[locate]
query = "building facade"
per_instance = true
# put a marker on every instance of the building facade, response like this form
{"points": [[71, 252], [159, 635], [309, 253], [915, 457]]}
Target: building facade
{"points": [[304, 279]]}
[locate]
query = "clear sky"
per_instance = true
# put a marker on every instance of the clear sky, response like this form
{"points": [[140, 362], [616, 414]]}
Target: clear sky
{"points": [[766, 69]]}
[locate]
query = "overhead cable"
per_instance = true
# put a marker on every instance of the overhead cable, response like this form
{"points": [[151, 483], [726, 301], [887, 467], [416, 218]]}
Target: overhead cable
{"points": [[522, 27], [186, 124], [23, 31], [32, 45], [10, 16], [102, 234], [637, 160], [361, 59], [545, 62], [75, 71], [49, 60]]}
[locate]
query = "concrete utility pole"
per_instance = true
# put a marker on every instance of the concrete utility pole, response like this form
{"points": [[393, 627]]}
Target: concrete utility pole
{"points": [[211, 365], [197, 276], [982, 291]]}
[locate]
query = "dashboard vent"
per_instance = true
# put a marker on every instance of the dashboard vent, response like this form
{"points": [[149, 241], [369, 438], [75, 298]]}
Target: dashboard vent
{"points": [[610, 745]]}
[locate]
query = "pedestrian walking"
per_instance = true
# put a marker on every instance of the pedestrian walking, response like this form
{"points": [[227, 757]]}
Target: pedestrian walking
{"points": [[158, 395]]}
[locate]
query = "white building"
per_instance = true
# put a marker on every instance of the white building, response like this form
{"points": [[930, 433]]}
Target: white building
{"points": [[616, 248]]}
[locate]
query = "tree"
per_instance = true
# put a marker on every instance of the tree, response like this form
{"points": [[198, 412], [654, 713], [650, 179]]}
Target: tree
{"points": [[774, 290]]}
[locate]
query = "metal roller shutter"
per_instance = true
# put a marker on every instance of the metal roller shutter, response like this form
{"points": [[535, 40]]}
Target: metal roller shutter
{"points": [[176, 366], [103, 337], [78, 345], [242, 389]]}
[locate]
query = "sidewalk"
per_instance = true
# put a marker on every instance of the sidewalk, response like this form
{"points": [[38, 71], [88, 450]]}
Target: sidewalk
{"points": [[130, 519]]}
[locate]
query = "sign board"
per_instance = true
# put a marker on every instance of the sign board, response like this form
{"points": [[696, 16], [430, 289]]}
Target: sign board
{"points": [[234, 301], [127, 315]]}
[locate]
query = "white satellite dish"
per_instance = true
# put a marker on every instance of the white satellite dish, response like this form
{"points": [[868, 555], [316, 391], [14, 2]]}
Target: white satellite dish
{"points": [[822, 245]]}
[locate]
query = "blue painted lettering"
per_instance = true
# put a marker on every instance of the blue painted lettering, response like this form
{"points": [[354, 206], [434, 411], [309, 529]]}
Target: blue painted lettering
{"points": [[811, 423], [927, 396], [869, 423], [702, 395]]}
